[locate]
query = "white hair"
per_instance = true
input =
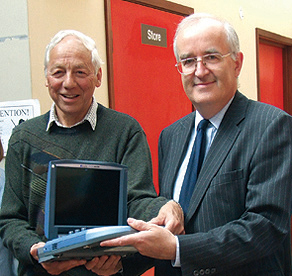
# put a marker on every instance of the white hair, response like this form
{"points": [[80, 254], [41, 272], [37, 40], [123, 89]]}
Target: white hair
{"points": [[86, 40], [232, 37]]}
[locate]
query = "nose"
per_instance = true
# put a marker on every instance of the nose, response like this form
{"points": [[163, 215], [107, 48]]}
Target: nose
{"points": [[201, 68], [69, 81]]}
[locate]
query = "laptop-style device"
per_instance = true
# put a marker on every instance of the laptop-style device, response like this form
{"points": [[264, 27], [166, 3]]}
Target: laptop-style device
{"points": [[86, 202]]}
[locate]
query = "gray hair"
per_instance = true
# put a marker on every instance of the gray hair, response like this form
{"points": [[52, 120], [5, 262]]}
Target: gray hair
{"points": [[86, 40], [232, 37]]}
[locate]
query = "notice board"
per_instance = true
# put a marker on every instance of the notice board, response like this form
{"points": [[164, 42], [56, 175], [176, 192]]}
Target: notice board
{"points": [[143, 81]]}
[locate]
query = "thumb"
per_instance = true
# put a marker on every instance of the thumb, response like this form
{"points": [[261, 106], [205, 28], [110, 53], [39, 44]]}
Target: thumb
{"points": [[157, 220], [139, 225]]}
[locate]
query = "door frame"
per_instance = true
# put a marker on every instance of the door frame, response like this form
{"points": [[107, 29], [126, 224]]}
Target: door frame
{"points": [[162, 5], [269, 38]]}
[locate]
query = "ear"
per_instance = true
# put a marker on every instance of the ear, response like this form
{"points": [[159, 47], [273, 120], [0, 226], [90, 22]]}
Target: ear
{"points": [[238, 63], [98, 78]]}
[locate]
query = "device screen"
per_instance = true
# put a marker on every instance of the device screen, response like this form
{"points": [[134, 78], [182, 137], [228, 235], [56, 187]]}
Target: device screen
{"points": [[87, 196]]}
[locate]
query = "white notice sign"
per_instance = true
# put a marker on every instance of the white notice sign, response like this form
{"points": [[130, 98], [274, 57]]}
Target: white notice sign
{"points": [[12, 114]]}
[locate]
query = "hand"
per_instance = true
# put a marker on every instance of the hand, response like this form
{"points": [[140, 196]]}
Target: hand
{"points": [[152, 241], [172, 217], [55, 268], [105, 265]]}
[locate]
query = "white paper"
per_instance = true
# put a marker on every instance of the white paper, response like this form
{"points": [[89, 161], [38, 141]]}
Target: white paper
{"points": [[14, 112]]}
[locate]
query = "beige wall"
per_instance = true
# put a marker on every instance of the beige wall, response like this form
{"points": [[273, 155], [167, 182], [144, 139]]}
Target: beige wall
{"points": [[45, 18]]}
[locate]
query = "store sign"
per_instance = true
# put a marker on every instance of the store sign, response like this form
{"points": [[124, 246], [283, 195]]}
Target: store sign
{"points": [[155, 36]]}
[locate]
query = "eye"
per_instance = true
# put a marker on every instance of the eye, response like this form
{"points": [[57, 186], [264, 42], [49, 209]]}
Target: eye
{"points": [[212, 58], [57, 73], [81, 73], [188, 62]]}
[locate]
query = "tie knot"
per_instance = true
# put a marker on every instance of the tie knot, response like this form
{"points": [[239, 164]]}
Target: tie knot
{"points": [[203, 124]]}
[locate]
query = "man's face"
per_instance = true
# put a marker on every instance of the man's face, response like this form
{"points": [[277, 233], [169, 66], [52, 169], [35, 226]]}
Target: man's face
{"points": [[208, 89], [71, 80]]}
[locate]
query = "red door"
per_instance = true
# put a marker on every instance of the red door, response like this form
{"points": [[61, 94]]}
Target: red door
{"points": [[271, 75], [146, 83]]}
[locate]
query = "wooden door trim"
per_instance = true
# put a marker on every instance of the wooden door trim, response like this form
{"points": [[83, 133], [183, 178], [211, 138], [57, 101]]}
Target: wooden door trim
{"points": [[162, 5], [266, 37]]}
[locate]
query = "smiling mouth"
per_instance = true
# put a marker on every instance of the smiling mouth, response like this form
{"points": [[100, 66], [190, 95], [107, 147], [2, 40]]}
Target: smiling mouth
{"points": [[203, 83], [70, 96]]}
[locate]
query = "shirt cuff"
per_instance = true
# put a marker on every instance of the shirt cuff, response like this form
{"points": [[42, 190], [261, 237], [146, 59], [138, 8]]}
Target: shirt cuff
{"points": [[176, 262]]}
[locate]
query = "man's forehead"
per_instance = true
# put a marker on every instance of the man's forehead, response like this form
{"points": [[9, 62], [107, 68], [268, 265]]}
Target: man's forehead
{"points": [[203, 25], [72, 57], [207, 37], [70, 46]]}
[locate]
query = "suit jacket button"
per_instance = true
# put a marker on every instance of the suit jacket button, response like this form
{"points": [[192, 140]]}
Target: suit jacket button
{"points": [[196, 273], [207, 271], [213, 270]]}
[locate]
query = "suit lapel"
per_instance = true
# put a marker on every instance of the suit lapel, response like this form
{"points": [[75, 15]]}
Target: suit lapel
{"points": [[222, 144], [183, 133]]}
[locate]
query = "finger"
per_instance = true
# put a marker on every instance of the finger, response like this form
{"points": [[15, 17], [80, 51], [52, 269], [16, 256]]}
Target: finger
{"points": [[175, 227], [102, 261], [157, 220], [34, 249], [172, 216], [111, 262], [122, 241], [92, 263], [96, 263], [139, 225], [109, 267]]}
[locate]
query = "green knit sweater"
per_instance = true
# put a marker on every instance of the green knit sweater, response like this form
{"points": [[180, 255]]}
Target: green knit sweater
{"points": [[117, 138]]}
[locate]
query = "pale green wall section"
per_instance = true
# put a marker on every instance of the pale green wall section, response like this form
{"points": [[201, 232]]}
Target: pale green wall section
{"points": [[15, 77]]}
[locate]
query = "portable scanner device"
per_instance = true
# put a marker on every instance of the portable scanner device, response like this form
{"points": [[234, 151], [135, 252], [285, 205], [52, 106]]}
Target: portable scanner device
{"points": [[86, 202]]}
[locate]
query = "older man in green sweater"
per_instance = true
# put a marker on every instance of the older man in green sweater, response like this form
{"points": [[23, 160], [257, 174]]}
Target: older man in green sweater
{"points": [[76, 127]]}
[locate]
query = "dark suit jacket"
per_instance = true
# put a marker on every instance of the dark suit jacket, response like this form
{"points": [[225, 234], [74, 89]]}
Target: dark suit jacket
{"points": [[238, 221]]}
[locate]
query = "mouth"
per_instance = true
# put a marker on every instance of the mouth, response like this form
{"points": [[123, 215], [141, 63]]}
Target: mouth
{"points": [[69, 96], [203, 84]]}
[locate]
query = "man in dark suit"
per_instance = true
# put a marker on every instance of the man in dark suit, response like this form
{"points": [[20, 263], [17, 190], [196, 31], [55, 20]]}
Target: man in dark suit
{"points": [[238, 219]]}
